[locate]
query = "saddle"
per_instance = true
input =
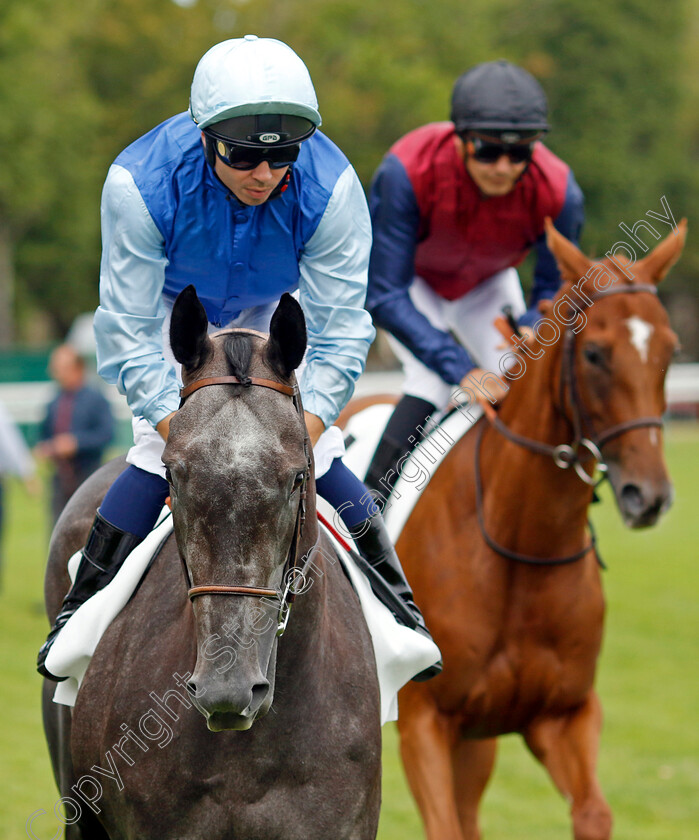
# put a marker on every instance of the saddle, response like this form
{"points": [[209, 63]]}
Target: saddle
{"points": [[363, 432]]}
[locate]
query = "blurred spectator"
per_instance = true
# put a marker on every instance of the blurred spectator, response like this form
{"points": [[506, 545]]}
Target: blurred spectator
{"points": [[15, 459], [77, 428]]}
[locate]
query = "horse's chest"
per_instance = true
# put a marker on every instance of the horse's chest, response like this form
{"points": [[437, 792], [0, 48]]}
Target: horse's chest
{"points": [[526, 664]]}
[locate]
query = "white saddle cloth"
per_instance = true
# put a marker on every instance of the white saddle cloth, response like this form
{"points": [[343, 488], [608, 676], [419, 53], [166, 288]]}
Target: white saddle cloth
{"points": [[400, 652], [362, 435]]}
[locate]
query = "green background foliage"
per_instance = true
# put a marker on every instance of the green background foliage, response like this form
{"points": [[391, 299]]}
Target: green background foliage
{"points": [[79, 81]]}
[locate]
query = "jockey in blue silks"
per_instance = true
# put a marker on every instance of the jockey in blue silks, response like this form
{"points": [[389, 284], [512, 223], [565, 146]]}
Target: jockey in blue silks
{"points": [[243, 198]]}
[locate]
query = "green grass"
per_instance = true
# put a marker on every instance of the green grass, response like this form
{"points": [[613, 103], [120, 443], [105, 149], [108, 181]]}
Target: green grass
{"points": [[648, 681]]}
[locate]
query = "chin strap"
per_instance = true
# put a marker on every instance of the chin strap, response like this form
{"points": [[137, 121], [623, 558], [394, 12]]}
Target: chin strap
{"points": [[282, 186]]}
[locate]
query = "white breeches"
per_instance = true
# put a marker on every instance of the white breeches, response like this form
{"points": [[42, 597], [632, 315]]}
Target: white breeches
{"points": [[470, 319]]}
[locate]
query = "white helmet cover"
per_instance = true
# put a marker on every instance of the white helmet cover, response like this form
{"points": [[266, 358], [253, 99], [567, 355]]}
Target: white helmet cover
{"points": [[251, 75]]}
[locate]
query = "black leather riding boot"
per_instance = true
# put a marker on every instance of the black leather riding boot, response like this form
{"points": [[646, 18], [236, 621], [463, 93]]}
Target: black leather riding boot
{"points": [[400, 437], [105, 550], [388, 581]]}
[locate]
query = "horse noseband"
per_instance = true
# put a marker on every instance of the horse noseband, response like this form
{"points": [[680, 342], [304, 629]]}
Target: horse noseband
{"points": [[292, 570]]}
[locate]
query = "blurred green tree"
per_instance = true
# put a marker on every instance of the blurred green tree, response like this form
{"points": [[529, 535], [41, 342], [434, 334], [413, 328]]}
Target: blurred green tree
{"points": [[379, 69], [612, 73], [46, 107], [79, 81]]}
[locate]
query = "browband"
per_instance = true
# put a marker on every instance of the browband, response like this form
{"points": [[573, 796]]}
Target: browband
{"points": [[288, 390]]}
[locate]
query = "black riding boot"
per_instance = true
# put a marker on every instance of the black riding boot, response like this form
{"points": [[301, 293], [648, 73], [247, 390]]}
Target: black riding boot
{"points": [[400, 437], [387, 580], [105, 550]]}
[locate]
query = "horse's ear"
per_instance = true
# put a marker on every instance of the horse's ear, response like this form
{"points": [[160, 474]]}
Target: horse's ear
{"points": [[287, 337], [665, 254], [572, 263], [189, 325]]}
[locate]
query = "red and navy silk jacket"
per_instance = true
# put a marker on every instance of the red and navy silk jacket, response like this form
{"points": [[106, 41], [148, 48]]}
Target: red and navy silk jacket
{"points": [[430, 219]]}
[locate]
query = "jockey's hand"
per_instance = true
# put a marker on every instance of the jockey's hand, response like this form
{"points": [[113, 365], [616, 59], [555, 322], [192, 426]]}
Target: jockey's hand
{"points": [[492, 385], [315, 427], [511, 340], [163, 428]]}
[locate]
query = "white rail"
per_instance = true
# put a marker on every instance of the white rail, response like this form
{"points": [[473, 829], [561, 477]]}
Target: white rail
{"points": [[26, 401]]}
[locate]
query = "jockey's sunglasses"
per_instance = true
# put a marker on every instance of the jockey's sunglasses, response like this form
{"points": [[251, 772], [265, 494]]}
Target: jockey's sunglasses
{"points": [[485, 151], [248, 157]]}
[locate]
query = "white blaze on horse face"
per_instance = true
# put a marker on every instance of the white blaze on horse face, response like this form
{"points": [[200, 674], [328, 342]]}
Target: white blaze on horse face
{"points": [[641, 332]]}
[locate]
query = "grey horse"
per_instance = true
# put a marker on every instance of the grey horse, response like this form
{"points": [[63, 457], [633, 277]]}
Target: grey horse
{"points": [[197, 719]]}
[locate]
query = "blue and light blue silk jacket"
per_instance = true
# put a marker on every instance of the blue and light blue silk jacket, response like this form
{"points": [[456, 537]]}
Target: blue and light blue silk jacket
{"points": [[167, 221]]}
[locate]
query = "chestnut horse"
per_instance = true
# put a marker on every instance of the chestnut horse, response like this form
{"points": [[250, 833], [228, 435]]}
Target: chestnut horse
{"points": [[498, 552], [136, 761]]}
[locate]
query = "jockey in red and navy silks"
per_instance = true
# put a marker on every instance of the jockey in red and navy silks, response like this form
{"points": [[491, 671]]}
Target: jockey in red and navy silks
{"points": [[430, 220], [243, 198], [455, 207]]}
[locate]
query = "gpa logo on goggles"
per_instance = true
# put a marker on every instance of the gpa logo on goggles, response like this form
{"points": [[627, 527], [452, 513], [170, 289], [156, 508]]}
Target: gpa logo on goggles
{"points": [[269, 137]]}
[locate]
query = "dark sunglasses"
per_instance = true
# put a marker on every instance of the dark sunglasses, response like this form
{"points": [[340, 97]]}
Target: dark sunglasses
{"points": [[486, 152], [248, 157]]}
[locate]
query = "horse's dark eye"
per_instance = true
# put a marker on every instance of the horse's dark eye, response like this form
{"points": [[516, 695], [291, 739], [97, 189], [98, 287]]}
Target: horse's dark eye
{"points": [[298, 479], [168, 476], [594, 355]]}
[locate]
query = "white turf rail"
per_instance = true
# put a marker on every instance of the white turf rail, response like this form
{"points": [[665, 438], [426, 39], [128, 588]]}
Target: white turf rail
{"points": [[26, 401]]}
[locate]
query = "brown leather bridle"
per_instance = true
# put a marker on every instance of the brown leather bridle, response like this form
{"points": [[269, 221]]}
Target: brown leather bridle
{"points": [[565, 455], [294, 571], [289, 390]]}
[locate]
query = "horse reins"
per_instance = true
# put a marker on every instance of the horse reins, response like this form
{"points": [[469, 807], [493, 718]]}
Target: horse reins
{"points": [[293, 570], [528, 559], [565, 455]]}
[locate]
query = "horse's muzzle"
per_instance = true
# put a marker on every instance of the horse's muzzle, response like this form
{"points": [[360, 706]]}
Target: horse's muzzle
{"points": [[231, 707], [642, 503]]}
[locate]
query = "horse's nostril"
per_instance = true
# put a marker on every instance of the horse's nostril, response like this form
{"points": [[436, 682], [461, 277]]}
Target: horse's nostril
{"points": [[259, 692], [632, 497], [192, 688]]}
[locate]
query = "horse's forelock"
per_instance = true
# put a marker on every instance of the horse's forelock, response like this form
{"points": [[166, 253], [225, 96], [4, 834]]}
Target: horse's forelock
{"points": [[238, 350]]}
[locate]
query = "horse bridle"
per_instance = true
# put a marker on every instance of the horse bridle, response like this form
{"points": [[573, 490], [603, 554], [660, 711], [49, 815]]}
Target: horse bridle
{"points": [[293, 569], [566, 455]]}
